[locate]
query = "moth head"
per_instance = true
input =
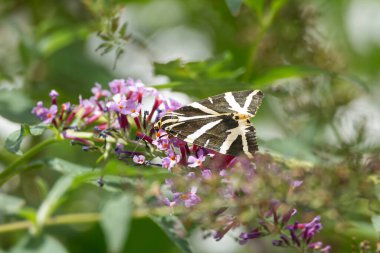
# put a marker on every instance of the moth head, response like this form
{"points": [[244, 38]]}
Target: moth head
{"points": [[157, 125]]}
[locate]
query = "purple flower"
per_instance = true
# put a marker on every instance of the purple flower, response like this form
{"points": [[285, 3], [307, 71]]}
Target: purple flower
{"points": [[50, 114], [171, 160], [253, 234], [118, 86], [162, 143], [195, 162], [301, 233], [139, 159], [53, 94], [65, 107], [161, 134], [191, 175], [40, 111], [99, 92], [296, 183], [286, 217], [319, 246], [124, 106], [169, 105], [174, 201], [191, 198], [223, 173], [206, 174]]}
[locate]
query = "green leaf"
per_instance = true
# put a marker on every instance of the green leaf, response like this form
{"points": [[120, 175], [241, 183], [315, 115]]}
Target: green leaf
{"points": [[175, 230], [14, 140], [56, 194], [43, 244], [114, 24], [201, 79], [10, 204], [123, 30], [115, 220], [59, 39], [234, 6], [15, 105], [102, 45], [285, 72], [53, 199], [256, 6], [376, 223], [66, 167]]}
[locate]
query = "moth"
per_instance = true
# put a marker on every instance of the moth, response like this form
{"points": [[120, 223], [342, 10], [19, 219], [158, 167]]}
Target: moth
{"points": [[221, 123]]}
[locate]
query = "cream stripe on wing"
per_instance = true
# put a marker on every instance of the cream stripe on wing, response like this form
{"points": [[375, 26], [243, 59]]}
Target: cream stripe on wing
{"points": [[175, 124], [233, 104], [234, 134], [243, 126], [203, 108], [182, 118], [192, 137], [249, 100], [169, 121]]}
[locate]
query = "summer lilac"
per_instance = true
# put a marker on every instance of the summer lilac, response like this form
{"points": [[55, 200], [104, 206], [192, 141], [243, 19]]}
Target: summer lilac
{"points": [[118, 86], [139, 159], [99, 92], [191, 198], [195, 162], [171, 160]]}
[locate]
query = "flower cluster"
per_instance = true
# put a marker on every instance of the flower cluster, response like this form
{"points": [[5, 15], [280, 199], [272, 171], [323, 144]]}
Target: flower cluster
{"points": [[297, 235], [115, 116]]}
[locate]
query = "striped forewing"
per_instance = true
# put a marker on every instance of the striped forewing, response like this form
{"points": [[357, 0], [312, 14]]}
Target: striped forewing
{"points": [[209, 123], [230, 102]]}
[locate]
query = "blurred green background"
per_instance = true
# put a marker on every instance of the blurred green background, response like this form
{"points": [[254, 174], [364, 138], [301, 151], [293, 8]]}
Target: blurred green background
{"points": [[317, 62]]}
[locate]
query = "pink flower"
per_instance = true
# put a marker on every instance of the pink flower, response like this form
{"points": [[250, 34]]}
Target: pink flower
{"points": [[171, 160], [169, 106], [191, 198], [50, 114], [118, 86], [195, 162], [139, 159], [175, 200], [40, 111], [161, 134], [162, 144], [99, 92], [191, 175], [124, 106], [206, 174]]}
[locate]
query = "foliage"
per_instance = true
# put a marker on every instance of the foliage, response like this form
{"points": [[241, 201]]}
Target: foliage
{"points": [[317, 128]]}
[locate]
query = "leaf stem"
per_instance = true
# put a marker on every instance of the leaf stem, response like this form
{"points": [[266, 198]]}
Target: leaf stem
{"points": [[78, 218], [14, 168], [58, 220], [265, 24]]}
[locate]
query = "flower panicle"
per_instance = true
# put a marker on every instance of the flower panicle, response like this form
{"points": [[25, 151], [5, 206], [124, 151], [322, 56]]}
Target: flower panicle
{"points": [[296, 235]]}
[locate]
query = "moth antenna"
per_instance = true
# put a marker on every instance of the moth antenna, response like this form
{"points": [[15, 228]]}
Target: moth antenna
{"points": [[144, 119]]}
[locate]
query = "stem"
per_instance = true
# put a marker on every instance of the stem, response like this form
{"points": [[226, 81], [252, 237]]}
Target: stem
{"points": [[252, 54], [58, 220], [265, 24], [14, 168], [78, 218]]}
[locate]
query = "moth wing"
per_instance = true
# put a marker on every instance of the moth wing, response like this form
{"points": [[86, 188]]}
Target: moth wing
{"points": [[225, 103], [213, 133], [249, 99]]}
